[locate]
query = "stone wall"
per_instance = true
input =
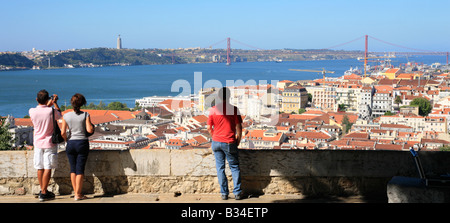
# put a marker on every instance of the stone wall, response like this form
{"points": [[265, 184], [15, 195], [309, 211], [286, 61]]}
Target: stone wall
{"points": [[311, 173]]}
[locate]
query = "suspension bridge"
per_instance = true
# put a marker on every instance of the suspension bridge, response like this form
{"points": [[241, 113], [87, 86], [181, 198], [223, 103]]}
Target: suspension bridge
{"points": [[366, 54]]}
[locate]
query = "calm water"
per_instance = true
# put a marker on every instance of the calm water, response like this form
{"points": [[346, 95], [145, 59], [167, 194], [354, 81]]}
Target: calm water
{"points": [[125, 84]]}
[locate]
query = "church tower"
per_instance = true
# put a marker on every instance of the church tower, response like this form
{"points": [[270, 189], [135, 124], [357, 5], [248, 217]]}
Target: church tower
{"points": [[119, 43]]}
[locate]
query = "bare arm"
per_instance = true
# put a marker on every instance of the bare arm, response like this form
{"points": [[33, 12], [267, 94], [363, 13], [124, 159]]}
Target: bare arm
{"points": [[238, 133], [64, 129], [210, 130], [89, 125]]}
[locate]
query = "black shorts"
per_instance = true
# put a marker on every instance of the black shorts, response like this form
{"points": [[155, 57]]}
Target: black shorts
{"points": [[77, 152]]}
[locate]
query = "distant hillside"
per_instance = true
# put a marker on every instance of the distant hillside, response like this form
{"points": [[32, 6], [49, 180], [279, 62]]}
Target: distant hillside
{"points": [[105, 56], [15, 60]]}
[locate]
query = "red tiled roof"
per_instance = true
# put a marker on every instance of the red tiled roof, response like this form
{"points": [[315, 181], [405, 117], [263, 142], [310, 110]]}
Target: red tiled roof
{"points": [[312, 135], [23, 122], [105, 116], [258, 134]]}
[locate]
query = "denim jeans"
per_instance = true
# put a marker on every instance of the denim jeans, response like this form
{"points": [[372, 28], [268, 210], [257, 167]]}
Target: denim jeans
{"points": [[227, 151]]}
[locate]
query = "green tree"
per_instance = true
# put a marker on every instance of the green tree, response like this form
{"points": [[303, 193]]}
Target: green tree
{"points": [[91, 106], [137, 106], [445, 148], [423, 104], [301, 110], [388, 113], [101, 106], [342, 107], [309, 97], [346, 124], [6, 138], [117, 106], [398, 101]]}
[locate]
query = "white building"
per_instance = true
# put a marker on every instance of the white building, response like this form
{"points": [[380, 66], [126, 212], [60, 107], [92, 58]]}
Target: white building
{"points": [[22, 135], [114, 142], [382, 101], [155, 100], [365, 102]]}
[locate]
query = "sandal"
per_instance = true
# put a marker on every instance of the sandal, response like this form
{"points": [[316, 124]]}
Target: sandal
{"points": [[81, 198]]}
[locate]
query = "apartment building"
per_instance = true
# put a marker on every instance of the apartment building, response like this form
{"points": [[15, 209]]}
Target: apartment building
{"points": [[436, 124], [415, 121], [441, 113], [382, 100], [262, 139], [364, 101], [294, 97], [324, 98], [347, 94]]}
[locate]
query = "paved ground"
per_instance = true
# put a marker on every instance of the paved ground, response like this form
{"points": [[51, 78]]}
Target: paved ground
{"points": [[191, 208], [184, 198]]}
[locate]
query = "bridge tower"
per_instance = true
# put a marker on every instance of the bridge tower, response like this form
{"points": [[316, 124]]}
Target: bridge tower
{"points": [[365, 56], [228, 51]]}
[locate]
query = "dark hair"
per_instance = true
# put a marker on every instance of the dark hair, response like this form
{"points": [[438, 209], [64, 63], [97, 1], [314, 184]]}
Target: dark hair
{"points": [[77, 101], [224, 94], [42, 97]]}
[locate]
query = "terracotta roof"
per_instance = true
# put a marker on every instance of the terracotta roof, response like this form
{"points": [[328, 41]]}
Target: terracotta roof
{"points": [[173, 104], [352, 77], [405, 75], [359, 135], [23, 122], [175, 142], [258, 134], [383, 88], [392, 70], [105, 116], [395, 126], [312, 135], [389, 147], [338, 116], [200, 118]]}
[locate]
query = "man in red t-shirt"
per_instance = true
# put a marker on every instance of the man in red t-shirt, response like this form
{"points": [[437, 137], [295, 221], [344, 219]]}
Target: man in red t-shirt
{"points": [[225, 127]]}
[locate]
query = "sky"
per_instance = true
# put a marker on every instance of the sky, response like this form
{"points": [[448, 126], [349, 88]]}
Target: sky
{"points": [[301, 24]]}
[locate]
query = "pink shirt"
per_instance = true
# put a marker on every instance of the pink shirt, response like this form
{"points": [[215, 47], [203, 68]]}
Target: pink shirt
{"points": [[42, 119]]}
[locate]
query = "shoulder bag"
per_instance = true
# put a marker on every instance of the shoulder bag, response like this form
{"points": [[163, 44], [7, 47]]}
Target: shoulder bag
{"points": [[56, 136], [87, 133]]}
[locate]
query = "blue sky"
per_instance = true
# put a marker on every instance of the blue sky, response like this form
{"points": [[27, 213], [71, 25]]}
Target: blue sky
{"points": [[54, 25]]}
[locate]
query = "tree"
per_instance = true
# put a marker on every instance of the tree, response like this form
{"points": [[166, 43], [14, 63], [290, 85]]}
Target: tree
{"points": [[301, 110], [91, 106], [137, 106], [346, 124], [101, 106], [423, 104], [398, 101], [309, 97], [6, 138], [342, 107], [388, 113], [445, 148], [117, 106]]}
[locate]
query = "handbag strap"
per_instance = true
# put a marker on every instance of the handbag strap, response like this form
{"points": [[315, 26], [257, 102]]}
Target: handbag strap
{"points": [[53, 115], [85, 126]]}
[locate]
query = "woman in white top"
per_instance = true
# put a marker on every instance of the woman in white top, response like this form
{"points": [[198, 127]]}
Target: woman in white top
{"points": [[77, 149]]}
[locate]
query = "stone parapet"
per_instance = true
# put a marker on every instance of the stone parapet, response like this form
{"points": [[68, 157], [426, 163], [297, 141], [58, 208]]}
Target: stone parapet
{"points": [[306, 172]]}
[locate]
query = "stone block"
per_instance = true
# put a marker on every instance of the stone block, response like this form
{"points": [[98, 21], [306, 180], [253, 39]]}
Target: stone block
{"points": [[196, 162], [13, 164]]}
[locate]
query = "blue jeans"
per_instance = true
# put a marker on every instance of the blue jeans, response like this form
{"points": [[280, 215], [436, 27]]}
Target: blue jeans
{"points": [[230, 152]]}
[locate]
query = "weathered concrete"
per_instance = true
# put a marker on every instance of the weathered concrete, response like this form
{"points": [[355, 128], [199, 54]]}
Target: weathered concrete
{"points": [[413, 190], [309, 173]]}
